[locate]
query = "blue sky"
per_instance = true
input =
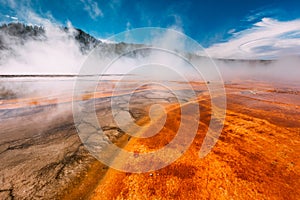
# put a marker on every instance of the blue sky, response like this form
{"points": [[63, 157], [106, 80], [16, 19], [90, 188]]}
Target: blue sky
{"points": [[215, 24]]}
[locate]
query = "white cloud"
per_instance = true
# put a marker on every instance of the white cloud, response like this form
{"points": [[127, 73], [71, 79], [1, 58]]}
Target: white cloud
{"points": [[92, 9], [115, 4], [9, 3], [11, 17], [24, 13], [231, 31], [16, 4], [128, 26], [267, 38]]}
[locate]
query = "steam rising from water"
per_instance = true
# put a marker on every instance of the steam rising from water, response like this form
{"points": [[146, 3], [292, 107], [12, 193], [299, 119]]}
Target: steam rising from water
{"points": [[57, 52]]}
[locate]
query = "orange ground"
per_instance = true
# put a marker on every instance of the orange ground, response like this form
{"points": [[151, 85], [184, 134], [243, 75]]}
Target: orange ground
{"points": [[256, 157]]}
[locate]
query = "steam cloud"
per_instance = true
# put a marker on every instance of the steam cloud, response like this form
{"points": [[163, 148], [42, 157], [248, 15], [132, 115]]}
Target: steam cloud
{"points": [[55, 52], [58, 52]]}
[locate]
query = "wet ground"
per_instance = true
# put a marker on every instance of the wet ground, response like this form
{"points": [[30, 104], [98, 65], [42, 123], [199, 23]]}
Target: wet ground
{"points": [[256, 156]]}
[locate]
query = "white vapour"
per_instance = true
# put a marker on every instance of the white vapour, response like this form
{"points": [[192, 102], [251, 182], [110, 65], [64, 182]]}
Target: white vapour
{"points": [[283, 70], [56, 51], [59, 53]]}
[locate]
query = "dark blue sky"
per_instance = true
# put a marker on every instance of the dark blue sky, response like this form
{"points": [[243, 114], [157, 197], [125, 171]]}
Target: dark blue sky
{"points": [[208, 22]]}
